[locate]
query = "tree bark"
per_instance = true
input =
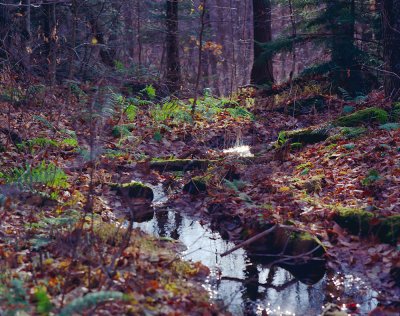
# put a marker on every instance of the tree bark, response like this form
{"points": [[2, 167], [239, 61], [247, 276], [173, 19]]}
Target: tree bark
{"points": [[391, 48], [347, 74], [262, 71], [173, 75], [50, 30]]}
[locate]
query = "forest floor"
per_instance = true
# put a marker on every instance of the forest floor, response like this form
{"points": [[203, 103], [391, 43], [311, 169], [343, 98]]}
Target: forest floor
{"points": [[64, 247]]}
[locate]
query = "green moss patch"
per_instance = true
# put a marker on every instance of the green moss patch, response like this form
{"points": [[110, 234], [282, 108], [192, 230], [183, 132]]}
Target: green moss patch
{"points": [[362, 117], [304, 136], [355, 220]]}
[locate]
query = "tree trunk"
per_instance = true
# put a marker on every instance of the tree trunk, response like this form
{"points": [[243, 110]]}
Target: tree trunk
{"points": [[347, 74], [262, 72], [5, 23], [391, 43], [71, 57], [173, 75], [50, 30]]}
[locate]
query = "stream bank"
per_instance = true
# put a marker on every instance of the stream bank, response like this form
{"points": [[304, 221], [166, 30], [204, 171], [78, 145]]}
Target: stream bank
{"points": [[247, 284]]}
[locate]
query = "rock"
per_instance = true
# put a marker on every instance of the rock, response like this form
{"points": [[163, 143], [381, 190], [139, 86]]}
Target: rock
{"points": [[333, 310], [356, 221], [389, 229], [360, 222], [362, 117], [133, 190], [289, 242]]}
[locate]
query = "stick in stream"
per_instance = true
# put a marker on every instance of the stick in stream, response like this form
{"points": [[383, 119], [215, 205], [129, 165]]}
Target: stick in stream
{"points": [[249, 241]]}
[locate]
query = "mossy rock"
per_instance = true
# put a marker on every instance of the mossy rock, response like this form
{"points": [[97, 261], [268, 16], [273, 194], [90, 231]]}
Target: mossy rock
{"points": [[362, 117], [285, 241], [314, 184], [355, 220], [196, 185], [304, 136], [179, 164], [123, 130], [134, 190], [389, 229]]}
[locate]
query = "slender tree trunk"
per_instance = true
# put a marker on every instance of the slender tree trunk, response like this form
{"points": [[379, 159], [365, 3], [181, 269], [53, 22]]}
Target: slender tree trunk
{"points": [[173, 75], [26, 37], [50, 26], [262, 71], [72, 52], [200, 56], [391, 43], [139, 36]]}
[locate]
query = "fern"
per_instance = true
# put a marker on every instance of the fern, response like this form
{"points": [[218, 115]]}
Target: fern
{"points": [[131, 111], [44, 306], [150, 91], [49, 175], [44, 121], [90, 300], [14, 297]]}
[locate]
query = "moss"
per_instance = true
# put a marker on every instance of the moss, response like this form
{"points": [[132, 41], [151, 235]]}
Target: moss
{"points": [[122, 130], [133, 190], [295, 146], [196, 185], [352, 132], [355, 220], [363, 117], [389, 229]]}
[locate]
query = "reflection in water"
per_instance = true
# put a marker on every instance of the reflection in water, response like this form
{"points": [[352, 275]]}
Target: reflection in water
{"points": [[244, 284]]}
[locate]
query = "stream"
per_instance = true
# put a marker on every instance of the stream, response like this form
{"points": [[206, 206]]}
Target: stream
{"points": [[245, 286]]}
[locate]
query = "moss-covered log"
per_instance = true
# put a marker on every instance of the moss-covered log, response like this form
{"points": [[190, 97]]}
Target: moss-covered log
{"points": [[133, 190], [305, 135], [363, 117], [179, 164]]}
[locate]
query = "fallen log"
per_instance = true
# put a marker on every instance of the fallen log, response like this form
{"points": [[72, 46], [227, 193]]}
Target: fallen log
{"points": [[180, 164]]}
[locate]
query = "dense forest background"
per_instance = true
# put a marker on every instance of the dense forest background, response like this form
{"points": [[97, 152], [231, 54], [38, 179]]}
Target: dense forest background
{"points": [[148, 40]]}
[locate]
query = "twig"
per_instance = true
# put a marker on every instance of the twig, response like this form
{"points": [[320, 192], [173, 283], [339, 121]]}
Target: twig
{"points": [[251, 240]]}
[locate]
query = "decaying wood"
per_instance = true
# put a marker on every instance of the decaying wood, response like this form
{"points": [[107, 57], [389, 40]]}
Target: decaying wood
{"points": [[180, 165]]}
